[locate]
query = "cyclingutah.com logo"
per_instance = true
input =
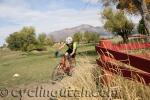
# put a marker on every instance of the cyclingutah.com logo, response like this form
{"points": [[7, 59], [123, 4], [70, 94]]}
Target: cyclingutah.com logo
{"points": [[63, 92], [3, 92]]}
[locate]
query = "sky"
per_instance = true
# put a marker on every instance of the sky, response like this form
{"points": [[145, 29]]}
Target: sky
{"points": [[47, 15]]}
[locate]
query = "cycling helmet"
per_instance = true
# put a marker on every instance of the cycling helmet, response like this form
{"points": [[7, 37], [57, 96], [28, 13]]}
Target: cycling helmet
{"points": [[69, 40]]}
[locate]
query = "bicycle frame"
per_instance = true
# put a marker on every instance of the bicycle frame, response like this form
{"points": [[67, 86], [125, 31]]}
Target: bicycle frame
{"points": [[62, 69], [66, 63]]}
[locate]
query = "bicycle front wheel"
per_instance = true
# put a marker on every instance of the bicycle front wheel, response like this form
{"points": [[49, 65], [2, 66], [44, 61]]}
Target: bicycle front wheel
{"points": [[57, 74]]}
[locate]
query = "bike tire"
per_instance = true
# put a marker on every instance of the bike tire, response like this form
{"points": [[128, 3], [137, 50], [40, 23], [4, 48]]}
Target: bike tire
{"points": [[57, 74]]}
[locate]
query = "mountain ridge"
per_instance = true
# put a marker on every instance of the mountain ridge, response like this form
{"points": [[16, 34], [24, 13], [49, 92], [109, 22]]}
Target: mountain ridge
{"points": [[62, 34]]}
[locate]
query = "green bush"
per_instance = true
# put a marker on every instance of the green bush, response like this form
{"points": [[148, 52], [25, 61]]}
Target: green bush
{"points": [[22, 40], [31, 47]]}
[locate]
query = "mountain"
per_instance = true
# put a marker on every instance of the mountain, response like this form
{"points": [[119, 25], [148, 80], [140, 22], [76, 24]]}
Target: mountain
{"points": [[62, 34]]}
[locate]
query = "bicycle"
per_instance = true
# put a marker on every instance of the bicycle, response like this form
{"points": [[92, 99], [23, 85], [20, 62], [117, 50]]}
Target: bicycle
{"points": [[64, 68]]}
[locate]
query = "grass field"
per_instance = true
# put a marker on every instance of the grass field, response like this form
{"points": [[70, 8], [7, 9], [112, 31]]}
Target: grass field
{"points": [[36, 68], [32, 67]]}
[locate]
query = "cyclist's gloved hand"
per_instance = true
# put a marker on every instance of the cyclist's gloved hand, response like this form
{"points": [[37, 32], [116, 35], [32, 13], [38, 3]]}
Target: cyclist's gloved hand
{"points": [[56, 54]]}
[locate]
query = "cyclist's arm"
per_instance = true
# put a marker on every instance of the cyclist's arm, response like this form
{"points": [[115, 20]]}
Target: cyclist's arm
{"points": [[74, 48], [62, 46]]}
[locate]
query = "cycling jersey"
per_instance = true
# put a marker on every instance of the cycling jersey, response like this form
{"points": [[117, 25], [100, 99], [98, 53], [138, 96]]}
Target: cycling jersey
{"points": [[71, 47]]}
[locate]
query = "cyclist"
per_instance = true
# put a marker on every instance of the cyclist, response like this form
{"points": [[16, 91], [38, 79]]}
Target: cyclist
{"points": [[71, 51]]}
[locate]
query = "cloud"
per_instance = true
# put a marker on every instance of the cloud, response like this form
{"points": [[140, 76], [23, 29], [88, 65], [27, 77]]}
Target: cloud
{"points": [[91, 1], [44, 21], [135, 19], [18, 13], [60, 17]]}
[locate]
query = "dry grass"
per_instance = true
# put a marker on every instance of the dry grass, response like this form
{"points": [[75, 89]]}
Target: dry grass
{"points": [[88, 76], [142, 52], [83, 78]]}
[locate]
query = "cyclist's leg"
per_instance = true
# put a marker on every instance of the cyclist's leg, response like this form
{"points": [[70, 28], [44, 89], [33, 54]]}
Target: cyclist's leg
{"points": [[73, 61], [67, 58]]}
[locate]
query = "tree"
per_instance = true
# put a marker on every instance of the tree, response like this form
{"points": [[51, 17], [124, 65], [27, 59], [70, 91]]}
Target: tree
{"points": [[15, 41], [29, 37], [42, 38], [118, 23], [91, 37], [77, 37], [22, 40], [96, 37], [87, 36], [141, 7], [141, 28], [49, 41]]}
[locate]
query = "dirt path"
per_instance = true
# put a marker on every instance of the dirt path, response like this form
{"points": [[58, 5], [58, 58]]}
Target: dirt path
{"points": [[34, 91]]}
